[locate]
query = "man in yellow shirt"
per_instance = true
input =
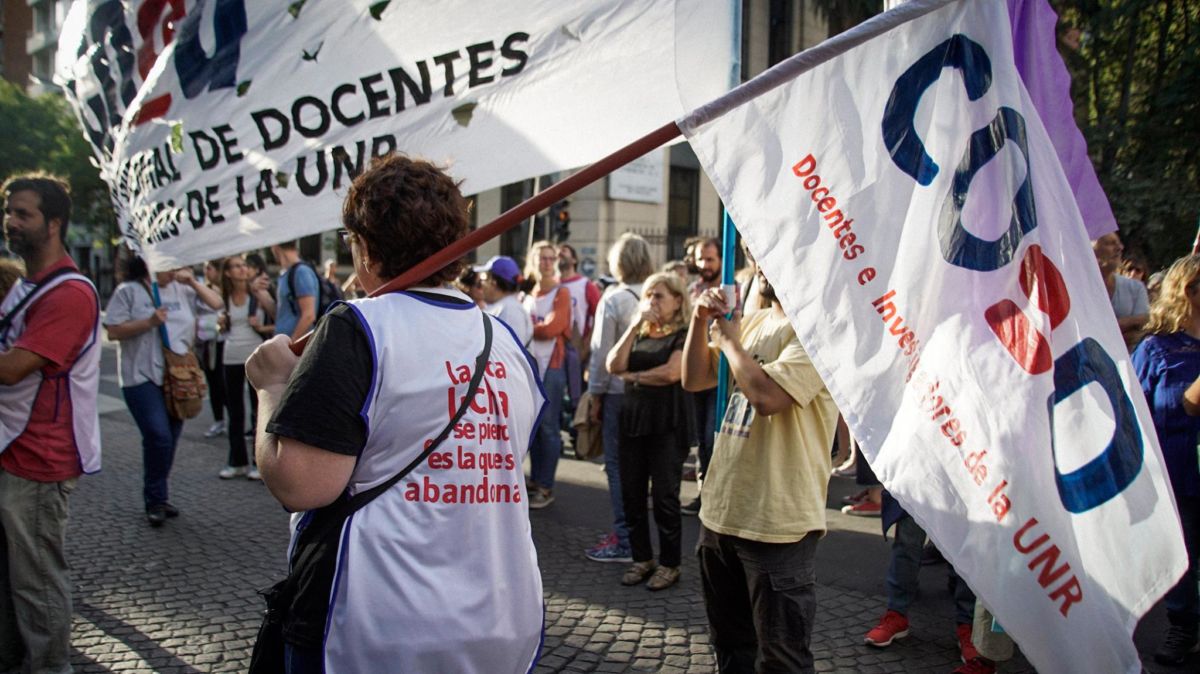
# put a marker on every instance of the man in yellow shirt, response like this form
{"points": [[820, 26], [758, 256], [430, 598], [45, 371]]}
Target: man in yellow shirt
{"points": [[764, 495]]}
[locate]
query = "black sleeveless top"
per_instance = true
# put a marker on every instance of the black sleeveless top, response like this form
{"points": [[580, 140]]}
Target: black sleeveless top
{"points": [[649, 410]]}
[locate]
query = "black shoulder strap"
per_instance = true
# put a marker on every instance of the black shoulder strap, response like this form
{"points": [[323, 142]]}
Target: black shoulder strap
{"points": [[8, 318], [291, 285], [363, 498]]}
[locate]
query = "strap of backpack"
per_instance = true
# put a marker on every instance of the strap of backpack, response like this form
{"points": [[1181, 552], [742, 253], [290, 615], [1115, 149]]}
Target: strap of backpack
{"points": [[8, 319], [292, 272], [363, 498]]}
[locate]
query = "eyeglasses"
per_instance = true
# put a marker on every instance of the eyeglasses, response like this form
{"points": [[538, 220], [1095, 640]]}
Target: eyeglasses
{"points": [[345, 235]]}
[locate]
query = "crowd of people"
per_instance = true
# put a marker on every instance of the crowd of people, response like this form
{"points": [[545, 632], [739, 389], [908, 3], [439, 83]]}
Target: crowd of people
{"points": [[501, 355]]}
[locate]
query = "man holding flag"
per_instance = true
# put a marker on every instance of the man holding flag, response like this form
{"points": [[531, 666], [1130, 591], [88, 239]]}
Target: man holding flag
{"points": [[764, 505]]}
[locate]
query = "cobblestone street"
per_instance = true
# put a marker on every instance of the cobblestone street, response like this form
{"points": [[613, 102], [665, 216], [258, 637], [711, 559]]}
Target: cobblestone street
{"points": [[182, 598]]}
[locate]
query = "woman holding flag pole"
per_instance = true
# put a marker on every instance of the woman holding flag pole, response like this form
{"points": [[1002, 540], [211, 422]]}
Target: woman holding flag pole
{"points": [[145, 317]]}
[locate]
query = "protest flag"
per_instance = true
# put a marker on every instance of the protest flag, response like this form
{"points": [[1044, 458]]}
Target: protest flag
{"points": [[913, 214], [229, 125]]}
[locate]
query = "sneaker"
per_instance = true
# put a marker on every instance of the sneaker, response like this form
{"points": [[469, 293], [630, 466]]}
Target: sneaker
{"points": [[976, 665], [230, 472], [253, 473], [689, 475], [966, 649], [855, 498], [540, 498], [156, 515], [168, 509], [863, 509], [216, 429], [664, 577], [692, 508], [893, 626], [1179, 643], [609, 550], [639, 572]]}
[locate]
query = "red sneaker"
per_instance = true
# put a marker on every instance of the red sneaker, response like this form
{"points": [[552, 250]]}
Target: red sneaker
{"points": [[893, 626], [855, 498], [966, 649], [976, 666], [863, 509]]}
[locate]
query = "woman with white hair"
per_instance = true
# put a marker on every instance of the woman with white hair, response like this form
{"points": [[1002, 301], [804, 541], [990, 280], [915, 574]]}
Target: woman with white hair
{"points": [[629, 261]]}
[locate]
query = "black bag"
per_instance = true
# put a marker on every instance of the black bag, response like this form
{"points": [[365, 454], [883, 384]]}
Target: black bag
{"points": [[281, 624]]}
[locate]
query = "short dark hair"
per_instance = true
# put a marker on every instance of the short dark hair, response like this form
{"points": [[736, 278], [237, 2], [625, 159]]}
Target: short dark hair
{"points": [[406, 210], [136, 269], [574, 254], [255, 260], [504, 284], [287, 245], [709, 241], [54, 196]]}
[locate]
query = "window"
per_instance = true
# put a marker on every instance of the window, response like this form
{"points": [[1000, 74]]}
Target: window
{"points": [[779, 38], [746, 34], [683, 204], [514, 242]]}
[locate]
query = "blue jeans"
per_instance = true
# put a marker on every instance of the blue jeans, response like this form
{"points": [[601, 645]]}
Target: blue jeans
{"points": [[1183, 600], [547, 443], [610, 431], [902, 585], [160, 434]]}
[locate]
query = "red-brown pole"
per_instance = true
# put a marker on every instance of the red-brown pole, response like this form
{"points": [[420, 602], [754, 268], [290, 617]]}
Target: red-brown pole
{"points": [[520, 212]]}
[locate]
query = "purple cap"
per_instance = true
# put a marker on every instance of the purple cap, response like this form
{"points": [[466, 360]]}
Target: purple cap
{"points": [[503, 267]]}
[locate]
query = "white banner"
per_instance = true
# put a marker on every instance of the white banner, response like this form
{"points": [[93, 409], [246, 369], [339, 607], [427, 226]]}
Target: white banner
{"points": [[912, 214], [255, 116]]}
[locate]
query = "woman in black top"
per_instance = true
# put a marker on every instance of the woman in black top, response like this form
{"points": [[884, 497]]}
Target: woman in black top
{"points": [[654, 427]]}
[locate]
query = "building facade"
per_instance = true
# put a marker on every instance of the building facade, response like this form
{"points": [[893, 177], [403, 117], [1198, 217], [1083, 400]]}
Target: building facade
{"points": [[29, 41]]}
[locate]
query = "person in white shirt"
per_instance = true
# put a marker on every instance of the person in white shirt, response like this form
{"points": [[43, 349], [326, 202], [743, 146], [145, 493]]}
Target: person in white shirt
{"points": [[145, 319], [501, 278], [438, 571], [242, 324]]}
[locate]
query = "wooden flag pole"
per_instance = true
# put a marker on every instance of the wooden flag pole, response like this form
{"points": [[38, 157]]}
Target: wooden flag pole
{"points": [[515, 215]]}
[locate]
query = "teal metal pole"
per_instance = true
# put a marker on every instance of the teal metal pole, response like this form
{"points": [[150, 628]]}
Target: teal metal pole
{"points": [[728, 232], [162, 328], [728, 258]]}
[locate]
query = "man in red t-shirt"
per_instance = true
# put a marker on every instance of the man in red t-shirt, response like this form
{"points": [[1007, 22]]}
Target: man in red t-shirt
{"points": [[49, 428]]}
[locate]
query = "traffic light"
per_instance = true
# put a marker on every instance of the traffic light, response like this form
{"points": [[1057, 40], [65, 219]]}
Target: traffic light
{"points": [[560, 219]]}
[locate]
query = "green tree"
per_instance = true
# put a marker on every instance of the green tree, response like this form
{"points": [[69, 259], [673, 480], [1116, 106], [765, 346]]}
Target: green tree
{"points": [[41, 134], [1136, 71]]}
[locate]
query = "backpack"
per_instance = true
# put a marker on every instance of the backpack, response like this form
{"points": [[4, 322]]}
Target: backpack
{"points": [[327, 291]]}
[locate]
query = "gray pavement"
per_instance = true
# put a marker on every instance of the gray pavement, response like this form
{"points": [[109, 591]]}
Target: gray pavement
{"points": [[182, 598]]}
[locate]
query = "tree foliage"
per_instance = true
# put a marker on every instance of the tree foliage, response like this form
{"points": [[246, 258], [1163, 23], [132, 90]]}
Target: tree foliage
{"points": [[1135, 66], [41, 134]]}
